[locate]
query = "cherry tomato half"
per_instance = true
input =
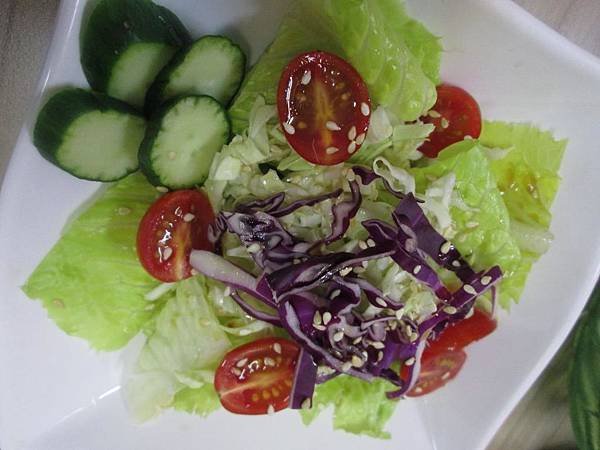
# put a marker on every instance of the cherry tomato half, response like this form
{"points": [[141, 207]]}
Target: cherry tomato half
{"points": [[444, 357], [324, 107], [455, 115], [174, 224], [256, 378]]}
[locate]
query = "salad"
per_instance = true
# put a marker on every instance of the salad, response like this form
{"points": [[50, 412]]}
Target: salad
{"points": [[332, 228]]}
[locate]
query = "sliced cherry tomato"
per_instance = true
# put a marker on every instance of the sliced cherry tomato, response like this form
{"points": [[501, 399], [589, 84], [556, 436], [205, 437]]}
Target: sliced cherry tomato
{"points": [[444, 357], [175, 224], [256, 378], [455, 115], [324, 107]]}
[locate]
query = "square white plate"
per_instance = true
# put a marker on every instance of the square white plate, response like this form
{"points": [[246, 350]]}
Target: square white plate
{"points": [[56, 394]]}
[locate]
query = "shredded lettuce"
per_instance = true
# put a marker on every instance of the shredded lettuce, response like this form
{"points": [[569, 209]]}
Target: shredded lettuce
{"points": [[91, 281]]}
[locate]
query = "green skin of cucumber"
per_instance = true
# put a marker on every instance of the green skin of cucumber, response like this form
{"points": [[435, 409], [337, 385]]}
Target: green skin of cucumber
{"points": [[154, 127], [155, 94], [62, 110], [114, 25]]}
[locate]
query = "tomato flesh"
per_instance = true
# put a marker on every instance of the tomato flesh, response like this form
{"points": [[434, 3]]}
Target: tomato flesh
{"points": [[444, 357], [455, 115], [256, 378], [174, 225], [324, 107]]}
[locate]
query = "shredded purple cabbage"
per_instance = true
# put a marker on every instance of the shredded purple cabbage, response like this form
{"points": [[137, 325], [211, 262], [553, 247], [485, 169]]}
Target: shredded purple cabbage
{"points": [[319, 296]]}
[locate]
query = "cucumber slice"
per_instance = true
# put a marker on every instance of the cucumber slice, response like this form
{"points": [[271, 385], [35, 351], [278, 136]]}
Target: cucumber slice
{"points": [[89, 135], [181, 141], [213, 65], [125, 44]]}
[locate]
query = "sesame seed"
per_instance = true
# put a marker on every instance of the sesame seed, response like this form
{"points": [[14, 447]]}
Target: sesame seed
{"points": [[370, 242], [469, 289], [472, 224], [277, 347], [289, 128], [345, 271], [254, 248], [236, 372], [351, 147], [331, 150], [123, 211], [399, 313], [486, 280], [352, 133], [194, 272], [242, 362], [346, 366], [379, 356], [468, 138], [365, 264], [319, 327], [317, 319], [326, 317], [456, 263], [417, 269], [271, 410], [445, 123], [418, 390], [360, 138], [445, 247], [172, 155], [332, 126], [409, 361], [335, 293], [306, 78], [357, 362], [188, 217], [364, 109], [227, 291], [162, 189], [394, 325], [378, 345], [450, 310], [357, 340], [337, 337], [381, 302], [358, 269], [434, 114], [306, 403], [166, 253], [297, 261], [269, 361], [470, 313], [446, 376], [413, 337], [362, 245]]}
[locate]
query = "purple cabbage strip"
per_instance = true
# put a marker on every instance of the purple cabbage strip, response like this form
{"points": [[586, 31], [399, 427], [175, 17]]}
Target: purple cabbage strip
{"points": [[305, 379]]}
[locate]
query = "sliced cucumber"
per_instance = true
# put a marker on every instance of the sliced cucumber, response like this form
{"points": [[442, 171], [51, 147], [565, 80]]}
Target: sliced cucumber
{"points": [[213, 65], [89, 135], [181, 141], [125, 44]]}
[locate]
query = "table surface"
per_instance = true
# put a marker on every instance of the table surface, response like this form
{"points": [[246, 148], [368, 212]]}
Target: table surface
{"points": [[541, 420]]}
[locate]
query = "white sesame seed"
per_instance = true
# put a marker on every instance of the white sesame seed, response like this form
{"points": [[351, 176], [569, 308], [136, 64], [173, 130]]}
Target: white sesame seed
{"points": [[446, 376], [357, 362], [352, 133], [413, 337], [345, 271], [381, 302], [326, 317], [271, 410], [188, 217], [123, 211], [364, 109], [306, 78], [409, 361], [469, 289], [470, 313], [486, 280], [332, 126], [346, 366], [319, 327], [358, 269], [445, 124], [242, 362], [254, 248], [445, 247], [399, 313], [472, 224], [297, 261], [269, 361], [434, 114], [456, 263], [357, 340], [378, 345], [350, 175], [172, 155], [226, 291], [166, 253], [317, 319], [306, 403], [449, 310], [162, 189], [335, 293], [338, 336], [360, 138], [371, 243], [277, 348], [417, 269], [236, 372], [351, 147], [331, 150], [289, 128], [194, 272], [418, 390], [362, 245], [379, 356]]}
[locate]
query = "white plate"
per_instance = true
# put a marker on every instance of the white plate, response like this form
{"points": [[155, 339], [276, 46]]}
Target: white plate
{"points": [[56, 394]]}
